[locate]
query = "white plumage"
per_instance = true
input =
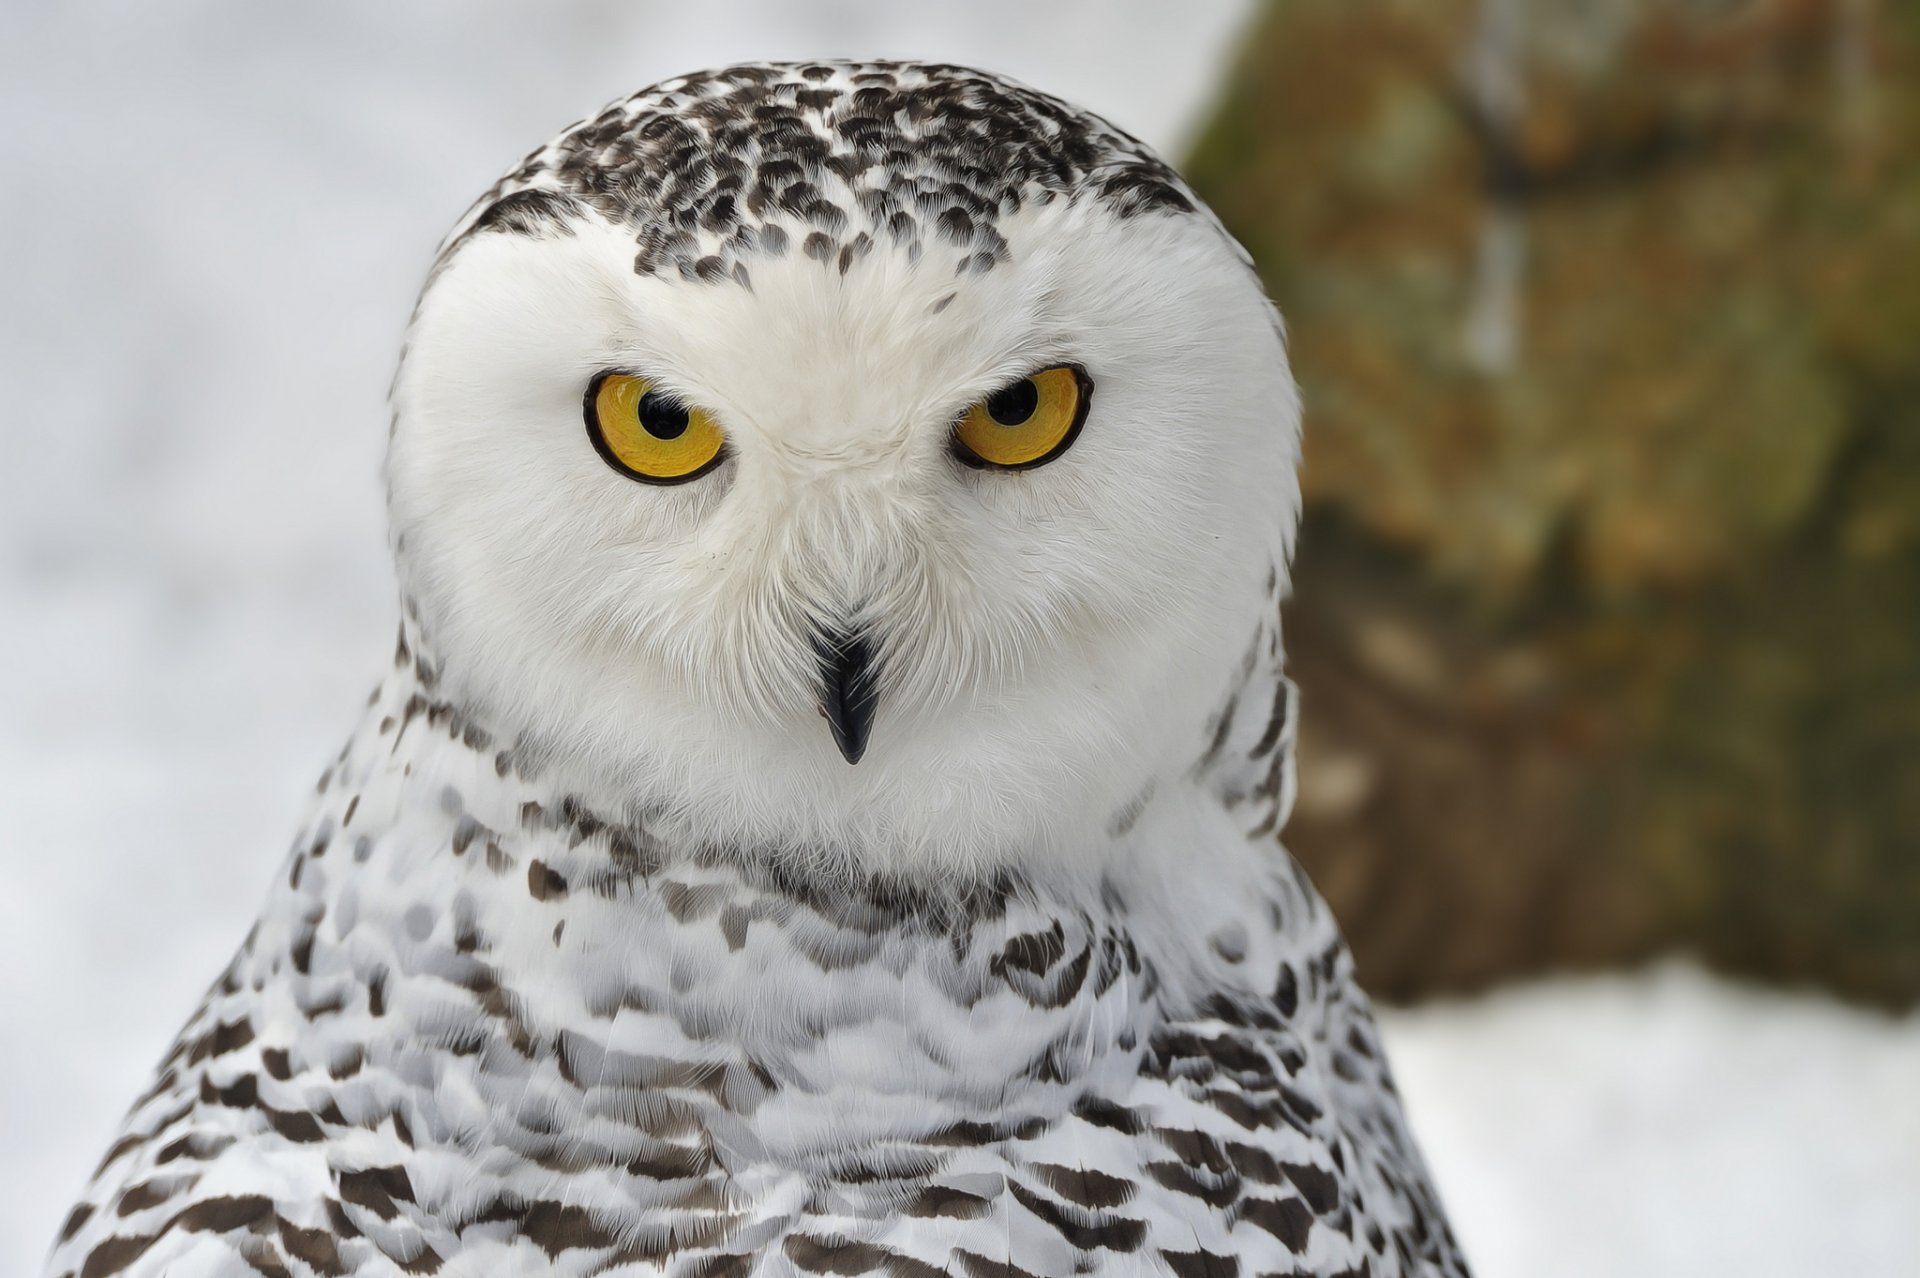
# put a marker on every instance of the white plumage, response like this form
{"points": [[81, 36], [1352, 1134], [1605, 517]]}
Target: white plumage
{"points": [[597, 955]]}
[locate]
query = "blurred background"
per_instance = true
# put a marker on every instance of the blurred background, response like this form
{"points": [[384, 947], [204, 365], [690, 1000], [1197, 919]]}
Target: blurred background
{"points": [[1607, 610]]}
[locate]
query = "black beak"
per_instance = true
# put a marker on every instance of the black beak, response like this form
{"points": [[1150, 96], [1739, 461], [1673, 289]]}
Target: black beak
{"points": [[847, 693]]}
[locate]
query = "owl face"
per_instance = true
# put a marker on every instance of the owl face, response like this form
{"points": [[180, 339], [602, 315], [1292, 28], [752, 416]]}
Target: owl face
{"points": [[840, 533]]}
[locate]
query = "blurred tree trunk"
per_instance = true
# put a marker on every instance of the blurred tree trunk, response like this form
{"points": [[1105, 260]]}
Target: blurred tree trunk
{"points": [[1607, 612]]}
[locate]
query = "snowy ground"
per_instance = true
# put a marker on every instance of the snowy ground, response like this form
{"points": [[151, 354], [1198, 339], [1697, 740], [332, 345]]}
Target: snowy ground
{"points": [[1668, 1123], [212, 223]]}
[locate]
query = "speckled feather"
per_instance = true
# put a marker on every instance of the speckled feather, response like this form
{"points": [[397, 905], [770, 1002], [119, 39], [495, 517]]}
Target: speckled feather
{"points": [[827, 160], [491, 1021]]}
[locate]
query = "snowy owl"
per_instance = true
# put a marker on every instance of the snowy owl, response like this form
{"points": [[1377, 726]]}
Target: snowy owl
{"points": [[820, 819]]}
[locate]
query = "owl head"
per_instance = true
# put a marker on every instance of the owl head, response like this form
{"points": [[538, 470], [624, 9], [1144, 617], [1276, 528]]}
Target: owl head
{"points": [[875, 462]]}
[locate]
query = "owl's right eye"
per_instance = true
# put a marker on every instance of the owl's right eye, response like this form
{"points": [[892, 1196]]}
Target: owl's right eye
{"points": [[646, 433]]}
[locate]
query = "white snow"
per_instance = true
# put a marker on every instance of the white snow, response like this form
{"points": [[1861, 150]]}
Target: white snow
{"points": [[213, 219], [1668, 1123]]}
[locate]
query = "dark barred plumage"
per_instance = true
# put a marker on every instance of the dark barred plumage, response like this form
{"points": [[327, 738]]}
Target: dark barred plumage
{"points": [[373, 1086]]}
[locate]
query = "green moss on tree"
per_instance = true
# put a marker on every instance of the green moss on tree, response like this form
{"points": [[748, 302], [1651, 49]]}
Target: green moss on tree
{"points": [[1608, 319]]}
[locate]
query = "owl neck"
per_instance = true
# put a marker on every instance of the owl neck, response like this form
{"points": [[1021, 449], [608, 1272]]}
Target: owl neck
{"points": [[446, 891], [439, 860]]}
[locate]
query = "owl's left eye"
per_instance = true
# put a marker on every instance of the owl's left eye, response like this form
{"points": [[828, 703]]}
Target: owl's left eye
{"points": [[645, 433], [1025, 423]]}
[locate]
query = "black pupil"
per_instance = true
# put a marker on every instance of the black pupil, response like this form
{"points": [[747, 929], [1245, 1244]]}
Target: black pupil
{"points": [[661, 417], [1013, 405]]}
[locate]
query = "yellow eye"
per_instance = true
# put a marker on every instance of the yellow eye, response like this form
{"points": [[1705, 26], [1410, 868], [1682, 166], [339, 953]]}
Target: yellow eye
{"points": [[1028, 423], [646, 434]]}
